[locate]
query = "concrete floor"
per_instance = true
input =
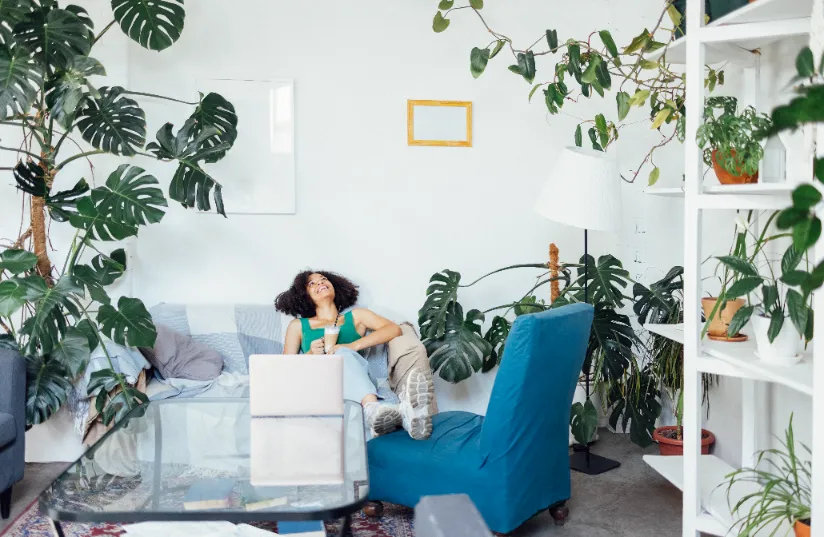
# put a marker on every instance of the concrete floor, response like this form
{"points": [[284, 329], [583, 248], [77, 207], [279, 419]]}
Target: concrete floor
{"points": [[631, 501]]}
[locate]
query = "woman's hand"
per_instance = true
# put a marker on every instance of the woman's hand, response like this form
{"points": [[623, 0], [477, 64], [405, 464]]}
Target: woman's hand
{"points": [[349, 346], [316, 347]]}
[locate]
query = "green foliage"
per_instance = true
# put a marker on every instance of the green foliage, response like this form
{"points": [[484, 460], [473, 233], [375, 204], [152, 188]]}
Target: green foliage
{"points": [[638, 411], [782, 478], [732, 136], [462, 349], [47, 89], [655, 304], [584, 421]]}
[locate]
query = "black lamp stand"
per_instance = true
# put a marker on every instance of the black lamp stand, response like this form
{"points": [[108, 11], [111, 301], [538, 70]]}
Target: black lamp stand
{"points": [[581, 459]]}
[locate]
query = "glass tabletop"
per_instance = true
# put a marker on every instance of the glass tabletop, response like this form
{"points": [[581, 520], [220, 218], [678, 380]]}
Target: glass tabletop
{"points": [[208, 459]]}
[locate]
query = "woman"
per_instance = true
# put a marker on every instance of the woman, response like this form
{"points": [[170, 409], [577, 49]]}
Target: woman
{"points": [[317, 300]]}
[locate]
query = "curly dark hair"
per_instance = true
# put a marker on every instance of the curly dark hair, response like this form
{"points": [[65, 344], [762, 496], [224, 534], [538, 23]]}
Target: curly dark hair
{"points": [[296, 301]]}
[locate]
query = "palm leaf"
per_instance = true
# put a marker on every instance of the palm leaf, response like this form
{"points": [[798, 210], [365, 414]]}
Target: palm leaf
{"points": [[20, 80], [191, 185], [129, 197], [215, 112], [462, 349], [72, 351], [48, 324], [65, 92], [47, 388], [440, 295], [155, 24], [128, 324], [98, 226], [54, 36], [113, 123]]}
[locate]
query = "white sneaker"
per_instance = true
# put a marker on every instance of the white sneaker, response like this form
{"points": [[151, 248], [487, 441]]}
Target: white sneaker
{"points": [[416, 404], [382, 418]]}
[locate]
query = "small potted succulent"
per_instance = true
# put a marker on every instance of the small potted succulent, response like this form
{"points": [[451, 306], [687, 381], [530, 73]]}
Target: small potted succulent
{"points": [[784, 494], [732, 140]]}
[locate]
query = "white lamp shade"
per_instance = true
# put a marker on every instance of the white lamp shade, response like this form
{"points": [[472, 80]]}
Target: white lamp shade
{"points": [[583, 190]]}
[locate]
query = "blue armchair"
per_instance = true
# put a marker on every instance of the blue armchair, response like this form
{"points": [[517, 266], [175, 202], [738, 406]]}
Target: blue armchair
{"points": [[514, 462], [12, 425]]}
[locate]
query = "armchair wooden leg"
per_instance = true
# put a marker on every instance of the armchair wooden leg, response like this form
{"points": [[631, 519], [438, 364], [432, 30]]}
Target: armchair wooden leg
{"points": [[373, 509], [5, 503], [559, 512]]}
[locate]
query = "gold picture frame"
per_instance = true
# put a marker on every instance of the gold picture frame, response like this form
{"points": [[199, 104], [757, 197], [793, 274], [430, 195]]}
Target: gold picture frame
{"points": [[448, 122]]}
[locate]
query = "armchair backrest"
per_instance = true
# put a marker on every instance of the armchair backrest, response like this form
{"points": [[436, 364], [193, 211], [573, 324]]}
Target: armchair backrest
{"points": [[528, 413]]}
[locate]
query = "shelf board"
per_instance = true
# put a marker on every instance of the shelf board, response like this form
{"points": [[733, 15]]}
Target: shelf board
{"points": [[756, 25], [739, 360], [756, 189], [711, 473], [667, 192]]}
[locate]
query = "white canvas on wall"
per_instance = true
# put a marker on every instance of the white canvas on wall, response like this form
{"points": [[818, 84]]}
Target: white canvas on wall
{"points": [[265, 145]]}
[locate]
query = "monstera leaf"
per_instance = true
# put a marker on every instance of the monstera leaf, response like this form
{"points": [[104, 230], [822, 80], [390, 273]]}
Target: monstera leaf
{"points": [[130, 197], [128, 324], [72, 351], [654, 303], [217, 113], [47, 387], [155, 24], [636, 400], [30, 178], [20, 79], [462, 349], [114, 408], [496, 336], [65, 92], [612, 336], [15, 292], [440, 296], [605, 281], [48, 324], [583, 421], [17, 261], [191, 185], [98, 226], [104, 270], [113, 123], [12, 12], [63, 204], [53, 36]]}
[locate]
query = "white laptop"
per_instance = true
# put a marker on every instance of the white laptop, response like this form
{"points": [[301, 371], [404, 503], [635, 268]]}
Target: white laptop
{"points": [[295, 385], [297, 428]]}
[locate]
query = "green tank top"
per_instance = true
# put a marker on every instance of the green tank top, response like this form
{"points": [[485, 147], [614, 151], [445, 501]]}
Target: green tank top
{"points": [[348, 332]]}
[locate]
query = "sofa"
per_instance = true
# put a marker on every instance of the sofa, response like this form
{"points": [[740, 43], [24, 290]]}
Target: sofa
{"points": [[12, 424], [514, 462], [235, 331]]}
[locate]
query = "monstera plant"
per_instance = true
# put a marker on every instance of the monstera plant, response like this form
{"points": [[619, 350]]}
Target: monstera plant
{"points": [[458, 347], [55, 314]]}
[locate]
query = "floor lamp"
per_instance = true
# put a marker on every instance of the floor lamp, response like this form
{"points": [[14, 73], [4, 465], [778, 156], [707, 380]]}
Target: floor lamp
{"points": [[584, 191]]}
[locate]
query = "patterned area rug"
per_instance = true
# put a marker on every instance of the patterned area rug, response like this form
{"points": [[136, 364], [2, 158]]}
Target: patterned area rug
{"points": [[395, 522]]}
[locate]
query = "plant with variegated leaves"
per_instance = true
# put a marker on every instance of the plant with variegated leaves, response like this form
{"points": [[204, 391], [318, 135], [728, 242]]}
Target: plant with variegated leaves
{"points": [[54, 317]]}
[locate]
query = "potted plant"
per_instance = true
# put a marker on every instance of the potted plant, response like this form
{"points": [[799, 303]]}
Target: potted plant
{"points": [[719, 311], [662, 303], [779, 303], [784, 493], [731, 141]]}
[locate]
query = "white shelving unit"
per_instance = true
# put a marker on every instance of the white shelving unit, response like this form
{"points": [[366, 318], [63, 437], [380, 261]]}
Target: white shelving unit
{"points": [[733, 38]]}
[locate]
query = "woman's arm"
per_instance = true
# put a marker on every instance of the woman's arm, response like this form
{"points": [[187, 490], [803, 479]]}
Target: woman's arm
{"points": [[293, 337], [383, 330]]}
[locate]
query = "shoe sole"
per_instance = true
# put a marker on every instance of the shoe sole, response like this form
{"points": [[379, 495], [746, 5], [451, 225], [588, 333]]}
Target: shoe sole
{"points": [[386, 421], [420, 391]]}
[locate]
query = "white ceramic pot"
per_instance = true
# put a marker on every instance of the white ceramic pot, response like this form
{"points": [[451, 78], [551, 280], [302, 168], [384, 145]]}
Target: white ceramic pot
{"points": [[785, 349]]}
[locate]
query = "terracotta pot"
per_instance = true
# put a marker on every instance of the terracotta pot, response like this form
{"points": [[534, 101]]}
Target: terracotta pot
{"points": [[671, 446], [721, 321], [801, 529], [727, 178]]}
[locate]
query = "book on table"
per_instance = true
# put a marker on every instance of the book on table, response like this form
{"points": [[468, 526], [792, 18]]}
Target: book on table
{"points": [[209, 493]]}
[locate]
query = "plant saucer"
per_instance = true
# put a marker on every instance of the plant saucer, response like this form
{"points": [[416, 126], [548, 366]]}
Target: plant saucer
{"points": [[735, 339], [788, 361]]}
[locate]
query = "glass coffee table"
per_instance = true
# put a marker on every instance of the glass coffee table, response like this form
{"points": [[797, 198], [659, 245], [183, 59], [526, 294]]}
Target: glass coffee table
{"points": [[208, 459]]}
